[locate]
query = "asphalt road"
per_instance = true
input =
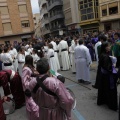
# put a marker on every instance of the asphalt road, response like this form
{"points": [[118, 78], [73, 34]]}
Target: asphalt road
{"points": [[86, 108]]}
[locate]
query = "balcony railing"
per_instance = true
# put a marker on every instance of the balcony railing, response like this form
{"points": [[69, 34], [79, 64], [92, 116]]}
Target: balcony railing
{"points": [[54, 4], [56, 16]]}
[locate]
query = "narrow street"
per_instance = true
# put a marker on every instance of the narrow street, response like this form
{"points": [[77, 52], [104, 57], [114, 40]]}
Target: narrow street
{"points": [[86, 108]]}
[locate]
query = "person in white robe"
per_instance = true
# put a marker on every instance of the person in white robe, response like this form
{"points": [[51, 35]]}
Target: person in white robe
{"points": [[13, 53], [26, 50], [7, 59], [72, 51], [35, 57], [1, 58], [21, 60], [63, 52], [96, 49], [56, 54], [51, 58], [30, 49], [45, 49], [83, 62]]}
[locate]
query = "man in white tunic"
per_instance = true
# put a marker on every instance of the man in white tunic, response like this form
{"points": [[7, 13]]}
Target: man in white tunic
{"points": [[21, 60], [7, 60], [96, 49], [83, 61], [30, 49], [13, 53], [63, 51], [56, 53], [51, 58], [72, 51]]}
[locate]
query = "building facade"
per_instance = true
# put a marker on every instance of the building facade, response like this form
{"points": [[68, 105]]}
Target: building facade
{"points": [[56, 16], [37, 24], [89, 15], [44, 18], [109, 14], [16, 21], [72, 16]]}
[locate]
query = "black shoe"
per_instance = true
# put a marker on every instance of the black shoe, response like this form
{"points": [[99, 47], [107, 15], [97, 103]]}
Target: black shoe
{"points": [[80, 81], [94, 86], [87, 82], [74, 72]]}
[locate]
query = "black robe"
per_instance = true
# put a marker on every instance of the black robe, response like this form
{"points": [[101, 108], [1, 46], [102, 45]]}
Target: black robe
{"points": [[107, 89]]}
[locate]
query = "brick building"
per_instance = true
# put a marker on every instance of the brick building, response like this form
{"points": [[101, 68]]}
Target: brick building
{"points": [[16, 21]]}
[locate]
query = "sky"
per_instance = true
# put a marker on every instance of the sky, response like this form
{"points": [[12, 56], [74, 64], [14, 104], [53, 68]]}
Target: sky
{"points": [[35, 6]]}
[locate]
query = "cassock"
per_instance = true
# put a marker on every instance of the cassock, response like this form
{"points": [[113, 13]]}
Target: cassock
{"points": [[72, 51], [30, 51], [9, 76], [2, 114], [96, 49], [107, 89], [51, 107], [45, 50], [27, 53], [14, 54], [63, 51], [83, 61], [32, 109], [21, 62], [35, 59], [52, 60], [7, 61], [56, 54]]}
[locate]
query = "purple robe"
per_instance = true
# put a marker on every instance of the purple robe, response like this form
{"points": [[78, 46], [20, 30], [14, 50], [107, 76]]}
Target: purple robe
{"points": [[32, 109], [51, 107], [15, 86]]}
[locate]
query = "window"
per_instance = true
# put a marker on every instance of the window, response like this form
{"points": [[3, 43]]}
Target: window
{"points": [[90, 16], [83, 11], [89, 10], [25, 24], [113, 10], [104, 12], [7, 27], [84, 17], [4, 10], [22, 8]]}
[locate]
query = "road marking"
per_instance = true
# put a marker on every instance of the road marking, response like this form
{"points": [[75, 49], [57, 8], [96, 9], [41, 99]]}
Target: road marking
{"points": [[72, 85], [78, 115]]}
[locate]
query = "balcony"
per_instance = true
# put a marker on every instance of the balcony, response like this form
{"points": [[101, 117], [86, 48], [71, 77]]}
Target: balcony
{"points": [[110, 17], [54, 4], [57, 16], [46, 21], [56, 28], [21, 2]]}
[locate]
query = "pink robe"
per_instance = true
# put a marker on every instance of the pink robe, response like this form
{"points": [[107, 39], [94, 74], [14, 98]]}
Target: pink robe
{"points": [[32, 109], [50, 107], [26, 72]]}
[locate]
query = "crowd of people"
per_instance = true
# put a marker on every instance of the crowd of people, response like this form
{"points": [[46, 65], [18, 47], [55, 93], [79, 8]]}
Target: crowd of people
{"points": [[25, 72]]}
